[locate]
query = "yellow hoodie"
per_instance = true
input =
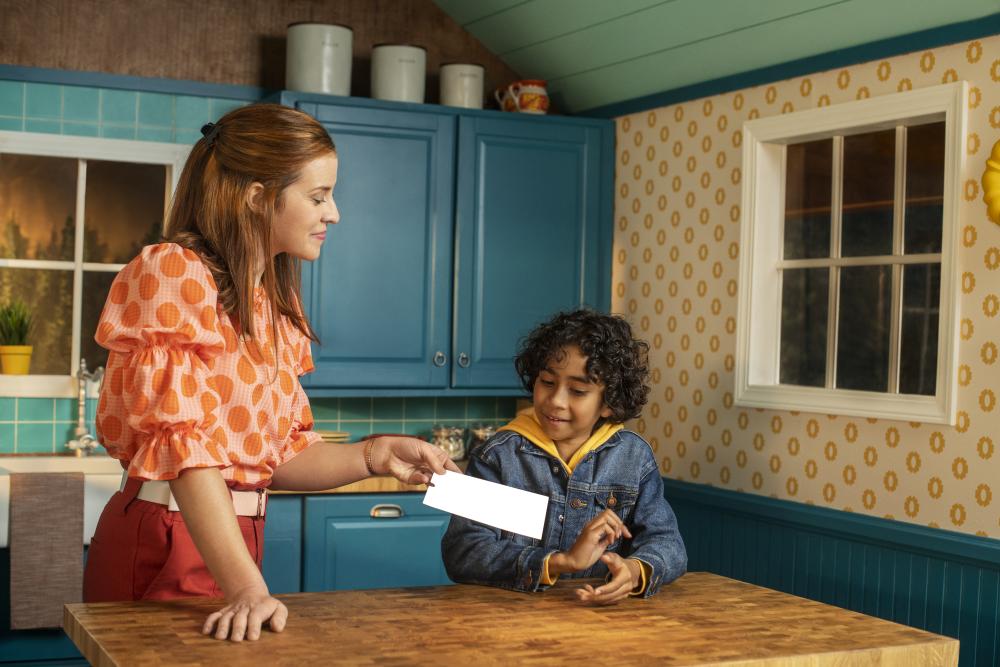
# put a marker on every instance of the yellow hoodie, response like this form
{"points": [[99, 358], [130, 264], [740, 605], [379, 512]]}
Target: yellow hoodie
{"points": [[526, 423]]}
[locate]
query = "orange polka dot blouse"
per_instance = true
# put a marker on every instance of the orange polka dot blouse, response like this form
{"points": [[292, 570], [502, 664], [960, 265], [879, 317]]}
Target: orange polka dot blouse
{"points": [[182, 390]]}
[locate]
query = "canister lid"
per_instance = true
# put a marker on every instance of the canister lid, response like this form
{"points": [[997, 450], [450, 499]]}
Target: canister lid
{"points": [[412, 46], [335, 25]]}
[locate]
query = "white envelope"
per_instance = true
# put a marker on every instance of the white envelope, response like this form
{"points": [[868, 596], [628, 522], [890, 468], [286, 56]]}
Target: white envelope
{"points": [[494, 504]]}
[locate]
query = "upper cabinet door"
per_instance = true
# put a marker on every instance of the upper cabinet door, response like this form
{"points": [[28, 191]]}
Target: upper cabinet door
{"points": [[530, 202], [379, 295]]}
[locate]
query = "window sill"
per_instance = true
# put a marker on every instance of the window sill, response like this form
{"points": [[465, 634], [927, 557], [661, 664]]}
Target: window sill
{"points": [[902, 407], [43, 386]]}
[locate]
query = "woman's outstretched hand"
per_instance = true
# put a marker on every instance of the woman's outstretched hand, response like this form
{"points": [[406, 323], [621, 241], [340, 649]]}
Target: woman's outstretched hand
{"points": [[246, 612], [410, 460]]}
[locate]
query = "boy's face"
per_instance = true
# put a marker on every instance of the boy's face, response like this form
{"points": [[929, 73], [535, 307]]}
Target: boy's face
{"points": [[567, 402]]}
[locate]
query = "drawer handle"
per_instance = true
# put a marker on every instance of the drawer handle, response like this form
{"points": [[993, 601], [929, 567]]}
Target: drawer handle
{"points": [[463, 360], [440, 358], [386, 511]]}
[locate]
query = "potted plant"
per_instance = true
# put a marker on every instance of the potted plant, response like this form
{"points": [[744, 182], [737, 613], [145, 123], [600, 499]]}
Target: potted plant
{"points": [[15, 325]]}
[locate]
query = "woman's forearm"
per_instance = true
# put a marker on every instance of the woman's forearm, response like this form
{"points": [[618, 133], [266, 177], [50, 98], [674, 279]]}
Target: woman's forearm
{"points": [[321, 466], [207, 507]]}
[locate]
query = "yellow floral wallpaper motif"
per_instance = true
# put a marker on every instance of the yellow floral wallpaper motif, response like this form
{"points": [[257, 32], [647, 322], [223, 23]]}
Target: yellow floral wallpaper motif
{"points": [[676, 260]]}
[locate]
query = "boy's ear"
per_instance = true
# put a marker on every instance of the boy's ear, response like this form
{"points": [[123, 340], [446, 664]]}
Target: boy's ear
{"points": [[606, 411]]}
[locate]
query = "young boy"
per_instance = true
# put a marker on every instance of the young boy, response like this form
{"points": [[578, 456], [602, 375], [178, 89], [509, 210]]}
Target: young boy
{"points": [[607, 516]]}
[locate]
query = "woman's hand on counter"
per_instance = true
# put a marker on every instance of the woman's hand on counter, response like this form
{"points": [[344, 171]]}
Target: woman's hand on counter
{"points": [[410, 460], [246, 612]]}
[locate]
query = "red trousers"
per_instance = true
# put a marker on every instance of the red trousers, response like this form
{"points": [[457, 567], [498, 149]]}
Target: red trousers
{"points": [[143, 551]]}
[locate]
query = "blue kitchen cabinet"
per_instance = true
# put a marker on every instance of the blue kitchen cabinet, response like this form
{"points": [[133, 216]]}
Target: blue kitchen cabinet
{"points": [[282, 565], [379, 296], [533, 237], [372, 541], [461, 230]]}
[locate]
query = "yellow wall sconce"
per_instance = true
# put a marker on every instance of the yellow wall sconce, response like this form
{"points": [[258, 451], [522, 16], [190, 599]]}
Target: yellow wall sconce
{"points": [[991, 184]]}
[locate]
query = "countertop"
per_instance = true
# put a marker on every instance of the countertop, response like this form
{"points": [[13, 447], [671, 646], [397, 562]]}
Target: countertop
{"points": [[701, 619]]}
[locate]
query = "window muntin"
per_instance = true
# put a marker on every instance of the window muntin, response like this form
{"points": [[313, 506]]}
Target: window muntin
{"points": [[860, 172]]}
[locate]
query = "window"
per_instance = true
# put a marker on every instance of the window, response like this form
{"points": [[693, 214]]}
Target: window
{"points": [[847, 302], [73, 212]]}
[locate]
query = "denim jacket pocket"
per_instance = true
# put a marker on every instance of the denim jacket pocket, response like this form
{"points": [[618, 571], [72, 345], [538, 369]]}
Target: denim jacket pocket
{"points": [[620, 499]]}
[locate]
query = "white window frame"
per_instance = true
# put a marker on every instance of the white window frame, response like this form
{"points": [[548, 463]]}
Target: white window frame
{"points": [[759, 312], [172, 156]]}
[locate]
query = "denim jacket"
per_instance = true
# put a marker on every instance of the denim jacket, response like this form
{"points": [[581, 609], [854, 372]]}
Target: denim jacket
{"points": [[620, 474]]}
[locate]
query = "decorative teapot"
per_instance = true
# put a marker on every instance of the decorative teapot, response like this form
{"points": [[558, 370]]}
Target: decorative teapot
{"points": [[527, 96]]}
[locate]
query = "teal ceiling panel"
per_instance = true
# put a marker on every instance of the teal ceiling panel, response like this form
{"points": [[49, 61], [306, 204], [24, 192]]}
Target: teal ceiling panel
{"points": [[595, 53], [755, 47], [537, 22], [655, 30], [465, 12]]}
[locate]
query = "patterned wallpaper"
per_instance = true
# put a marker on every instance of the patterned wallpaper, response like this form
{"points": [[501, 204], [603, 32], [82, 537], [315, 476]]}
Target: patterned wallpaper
{"points": [[676, 263]]}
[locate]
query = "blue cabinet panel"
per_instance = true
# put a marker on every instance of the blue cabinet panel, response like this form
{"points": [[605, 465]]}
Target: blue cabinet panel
{"points": [[372, 541], [528, 220], [379, 297], [282, 566]]}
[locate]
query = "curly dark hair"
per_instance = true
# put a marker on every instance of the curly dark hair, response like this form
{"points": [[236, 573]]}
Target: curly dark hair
{"points": [[614, 357]]}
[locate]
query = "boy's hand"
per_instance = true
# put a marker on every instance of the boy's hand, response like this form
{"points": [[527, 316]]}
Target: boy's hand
{"points": [[594, 539], [625, 578]]}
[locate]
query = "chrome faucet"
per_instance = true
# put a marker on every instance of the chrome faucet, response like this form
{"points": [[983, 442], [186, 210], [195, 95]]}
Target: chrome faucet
{"points": [[84, 443]]}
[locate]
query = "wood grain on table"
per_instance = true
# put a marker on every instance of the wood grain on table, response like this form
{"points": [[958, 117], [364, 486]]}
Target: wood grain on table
{"points": [[701, 619]]}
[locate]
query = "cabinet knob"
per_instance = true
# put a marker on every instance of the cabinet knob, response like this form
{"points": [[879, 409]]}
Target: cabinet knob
{"points": [[463, 360], [440, 358], [386, 511]]}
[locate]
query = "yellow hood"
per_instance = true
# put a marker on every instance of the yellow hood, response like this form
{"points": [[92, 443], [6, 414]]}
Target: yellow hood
{"points": [[526, 424]]}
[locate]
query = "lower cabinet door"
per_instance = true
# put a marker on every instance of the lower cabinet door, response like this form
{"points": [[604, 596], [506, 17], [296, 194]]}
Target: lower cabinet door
{"points": [[372, 541], [282, 565]]}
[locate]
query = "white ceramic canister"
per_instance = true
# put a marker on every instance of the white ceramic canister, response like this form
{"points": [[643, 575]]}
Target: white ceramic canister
{"points": [[318, 58], [462, 85], [398, 72]]}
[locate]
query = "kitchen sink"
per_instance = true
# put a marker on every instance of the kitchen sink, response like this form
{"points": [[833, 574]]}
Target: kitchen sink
{"points": [[102, 476]]}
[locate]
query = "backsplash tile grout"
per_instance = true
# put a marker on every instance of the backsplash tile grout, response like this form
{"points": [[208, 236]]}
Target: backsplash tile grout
{"points": [[33, 426]]}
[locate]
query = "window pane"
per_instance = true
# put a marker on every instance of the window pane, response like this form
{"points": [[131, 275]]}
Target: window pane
{"points": [[804, 297], [869, 165], [37, 207], [919, 336], [924, 188], [123, 211], [96, 285], [49, 294], [808, 182], [863, 331]]}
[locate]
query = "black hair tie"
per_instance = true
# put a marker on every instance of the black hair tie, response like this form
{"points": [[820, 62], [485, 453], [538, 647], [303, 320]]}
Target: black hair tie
{"points": [[210, 131]]}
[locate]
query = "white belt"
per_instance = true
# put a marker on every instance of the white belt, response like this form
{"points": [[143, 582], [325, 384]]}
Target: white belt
{"points": [[246, 503]]}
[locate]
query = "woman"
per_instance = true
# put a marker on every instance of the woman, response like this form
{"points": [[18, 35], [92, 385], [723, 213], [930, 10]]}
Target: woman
{"points": [[202, 402]]}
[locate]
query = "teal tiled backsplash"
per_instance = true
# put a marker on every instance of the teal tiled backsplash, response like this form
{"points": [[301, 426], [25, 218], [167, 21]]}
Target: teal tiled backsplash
{"points": [[44, 425], [103, 112]]}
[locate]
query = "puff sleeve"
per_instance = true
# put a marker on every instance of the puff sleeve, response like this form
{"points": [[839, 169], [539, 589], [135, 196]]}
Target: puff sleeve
{"points": [[157, 410], [297, 355]]}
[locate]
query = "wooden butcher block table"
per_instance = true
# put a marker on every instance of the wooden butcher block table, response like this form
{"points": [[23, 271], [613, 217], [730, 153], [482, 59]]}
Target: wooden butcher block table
{"points": [[701, 619]]}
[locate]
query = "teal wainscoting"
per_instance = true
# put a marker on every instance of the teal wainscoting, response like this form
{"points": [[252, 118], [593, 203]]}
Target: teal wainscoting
{"points": [[942, 581]]}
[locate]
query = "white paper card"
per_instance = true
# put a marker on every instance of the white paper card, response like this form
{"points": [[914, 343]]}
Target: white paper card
{"points": [[496, 505]]}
